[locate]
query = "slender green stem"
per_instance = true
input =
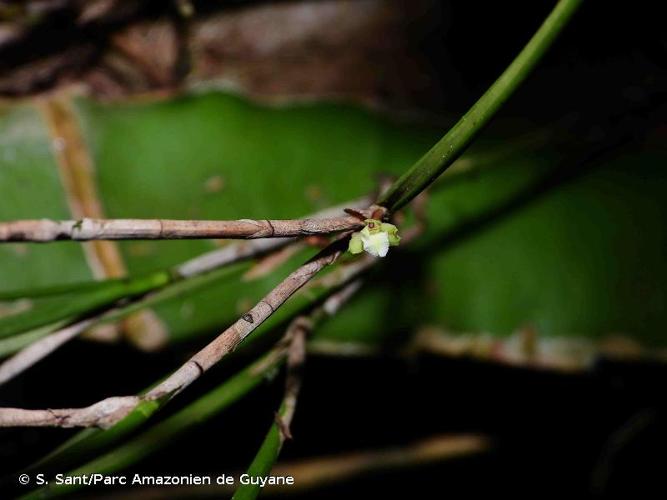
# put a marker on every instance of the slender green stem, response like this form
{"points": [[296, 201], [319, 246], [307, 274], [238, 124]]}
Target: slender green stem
{"points": [[270, 449], [73, 304], [273, 442], [85, 444], [263, 462], [450, 147]]}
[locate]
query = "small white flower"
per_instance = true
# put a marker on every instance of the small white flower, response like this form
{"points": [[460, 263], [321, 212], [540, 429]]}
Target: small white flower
{"points": [[375, 238], [376, 244]]}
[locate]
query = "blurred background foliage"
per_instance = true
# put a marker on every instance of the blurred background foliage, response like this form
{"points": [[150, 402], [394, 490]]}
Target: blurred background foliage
{"points": [[544, 245]]}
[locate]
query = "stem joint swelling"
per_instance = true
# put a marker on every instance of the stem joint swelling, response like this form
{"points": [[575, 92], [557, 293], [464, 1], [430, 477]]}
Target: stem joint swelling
{"points": [[46, 230]]}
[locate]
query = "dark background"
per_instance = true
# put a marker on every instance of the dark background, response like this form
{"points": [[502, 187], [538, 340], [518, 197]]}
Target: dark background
{"points": [[598, 434]]}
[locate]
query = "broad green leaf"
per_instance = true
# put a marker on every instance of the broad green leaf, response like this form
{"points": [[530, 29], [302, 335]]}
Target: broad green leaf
{"points": [[30, 189], [586, 259], [158, 160], [581, 259], [569, 263], [276, 163]]}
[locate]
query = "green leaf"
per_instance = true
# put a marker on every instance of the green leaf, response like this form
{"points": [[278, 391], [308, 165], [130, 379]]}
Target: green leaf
{"points": [[31, 190], [181, 145], [47, 291], [584, 259], [581, 259], [74, 304], [579, 276]]}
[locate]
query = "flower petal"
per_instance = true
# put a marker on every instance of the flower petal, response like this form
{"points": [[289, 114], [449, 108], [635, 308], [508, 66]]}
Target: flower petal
{"points": [[356, 245], [375, 244], [392, 231]]}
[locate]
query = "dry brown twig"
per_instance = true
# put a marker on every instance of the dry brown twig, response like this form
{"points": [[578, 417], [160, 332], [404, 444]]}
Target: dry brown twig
{"points": [[45, 230], [107, 412], [207, 262], [235, 252], [296, 357], [296, 334], [41, 348]]}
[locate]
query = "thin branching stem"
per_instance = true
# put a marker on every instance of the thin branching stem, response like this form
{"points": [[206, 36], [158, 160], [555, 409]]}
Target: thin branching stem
{"points": [[419, 177], [202, 264], [205, 407], [297, 332], [280, 429], [108, 411]]}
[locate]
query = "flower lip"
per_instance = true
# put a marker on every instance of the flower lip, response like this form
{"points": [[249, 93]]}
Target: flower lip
{"points": [[376, 244]]}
